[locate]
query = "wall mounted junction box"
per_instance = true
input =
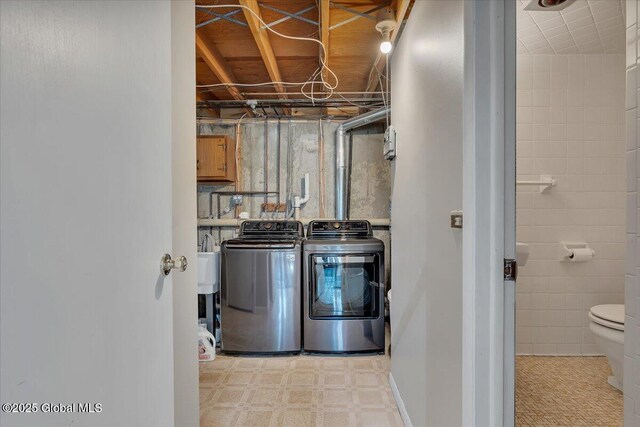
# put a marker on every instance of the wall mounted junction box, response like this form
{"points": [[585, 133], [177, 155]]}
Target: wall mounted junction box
{"points": [[390, 143]]}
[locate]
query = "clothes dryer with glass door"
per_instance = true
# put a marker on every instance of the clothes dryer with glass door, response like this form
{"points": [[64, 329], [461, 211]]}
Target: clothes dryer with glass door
{"points": [[343, 289]]}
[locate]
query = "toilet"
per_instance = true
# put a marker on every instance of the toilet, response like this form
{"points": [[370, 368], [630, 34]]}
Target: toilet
{"points": [[607, 325]]}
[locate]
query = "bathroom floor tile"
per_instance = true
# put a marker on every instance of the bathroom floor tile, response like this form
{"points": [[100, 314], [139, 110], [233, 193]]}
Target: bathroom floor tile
{"points": [[566, 391]]}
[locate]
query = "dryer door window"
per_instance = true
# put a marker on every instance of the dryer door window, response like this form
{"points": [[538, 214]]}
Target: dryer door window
{"points": [[345, 286]]}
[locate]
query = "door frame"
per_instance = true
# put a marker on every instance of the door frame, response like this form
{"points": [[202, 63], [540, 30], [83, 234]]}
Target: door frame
{"points": [[184, 213], [489, 213]]}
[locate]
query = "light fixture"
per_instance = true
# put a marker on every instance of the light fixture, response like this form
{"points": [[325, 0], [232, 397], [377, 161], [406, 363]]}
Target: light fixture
{"points": [[385, 46], [386, 23], [548, 5]]}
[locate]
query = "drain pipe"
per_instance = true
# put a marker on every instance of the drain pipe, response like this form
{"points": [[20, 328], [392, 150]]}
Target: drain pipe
{"points": [[341, 155], [299, 201]]}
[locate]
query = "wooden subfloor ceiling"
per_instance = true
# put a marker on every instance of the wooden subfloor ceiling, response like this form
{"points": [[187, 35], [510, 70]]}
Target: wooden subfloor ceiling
{"points": [[234, 48]]}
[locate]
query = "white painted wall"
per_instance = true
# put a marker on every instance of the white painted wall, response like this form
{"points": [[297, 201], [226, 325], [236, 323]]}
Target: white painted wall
{"points": [[183, 136], [632, 288], [426, 309], [570, 124], [85, 210]]}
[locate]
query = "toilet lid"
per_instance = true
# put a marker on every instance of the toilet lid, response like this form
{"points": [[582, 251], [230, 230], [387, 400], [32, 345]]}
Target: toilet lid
{"points": [[609, 315]]}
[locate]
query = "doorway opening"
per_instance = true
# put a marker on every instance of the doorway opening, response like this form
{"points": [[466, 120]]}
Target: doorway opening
{"points": [[571, 213], [293, 102]]}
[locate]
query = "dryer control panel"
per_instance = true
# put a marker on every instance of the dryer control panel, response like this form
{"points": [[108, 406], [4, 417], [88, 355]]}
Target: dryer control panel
{"points": [[355, 228]]}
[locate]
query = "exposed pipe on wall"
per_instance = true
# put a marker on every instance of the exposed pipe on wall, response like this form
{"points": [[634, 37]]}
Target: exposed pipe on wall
{"points": [[320, 169], [341, 155], [299, 201], [278, 162], [235, 222], [265, 164]]}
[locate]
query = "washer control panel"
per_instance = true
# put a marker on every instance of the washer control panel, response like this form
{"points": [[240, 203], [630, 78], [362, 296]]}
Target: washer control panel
{"points": [[356, 228], [272, 227]]}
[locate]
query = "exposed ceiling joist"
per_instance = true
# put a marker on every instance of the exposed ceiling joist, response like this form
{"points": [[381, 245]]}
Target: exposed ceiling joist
{"points": [[325, 20], [250, 54], [215, 61], [264, 44], [401, 11], [324, 27]]}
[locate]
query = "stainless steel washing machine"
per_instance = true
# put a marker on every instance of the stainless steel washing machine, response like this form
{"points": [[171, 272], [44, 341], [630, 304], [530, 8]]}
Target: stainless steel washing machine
{"points": [[260, 288], [343, 289]]}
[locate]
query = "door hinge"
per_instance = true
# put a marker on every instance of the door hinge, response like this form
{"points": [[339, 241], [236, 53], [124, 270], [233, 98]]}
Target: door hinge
{"points": [[510, 270]]}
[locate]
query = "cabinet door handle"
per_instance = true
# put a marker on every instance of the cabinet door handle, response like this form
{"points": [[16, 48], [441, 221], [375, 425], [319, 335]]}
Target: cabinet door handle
{"points": [[197, 165]]}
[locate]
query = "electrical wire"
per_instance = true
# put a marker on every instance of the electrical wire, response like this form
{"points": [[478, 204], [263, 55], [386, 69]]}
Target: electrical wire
{"points": [[303, 85], [251, 84], [388, 92], [384, 96], [355, 104], [375, 67]]}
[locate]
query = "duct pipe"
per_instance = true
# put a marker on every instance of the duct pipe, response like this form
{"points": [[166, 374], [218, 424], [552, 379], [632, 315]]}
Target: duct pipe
{"points": [[341, 155]]}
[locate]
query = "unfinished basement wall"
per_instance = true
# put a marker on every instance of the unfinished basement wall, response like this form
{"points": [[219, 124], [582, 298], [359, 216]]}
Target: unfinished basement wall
{"points": [[279, 161]]}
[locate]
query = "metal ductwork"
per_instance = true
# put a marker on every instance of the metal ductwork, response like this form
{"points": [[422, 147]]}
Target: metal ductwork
{"points": [[341, 155]]}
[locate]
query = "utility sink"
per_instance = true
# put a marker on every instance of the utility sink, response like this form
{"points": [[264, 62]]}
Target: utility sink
{"points": [[209, 272], [522, 253]]}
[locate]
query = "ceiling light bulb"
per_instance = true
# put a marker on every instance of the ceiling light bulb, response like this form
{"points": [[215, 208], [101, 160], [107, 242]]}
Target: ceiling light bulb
{"points": [[385, 24]]}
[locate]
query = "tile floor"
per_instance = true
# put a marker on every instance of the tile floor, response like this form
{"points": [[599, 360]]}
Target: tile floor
{"points": [[566, 391], [354, 391], [297, 391]]}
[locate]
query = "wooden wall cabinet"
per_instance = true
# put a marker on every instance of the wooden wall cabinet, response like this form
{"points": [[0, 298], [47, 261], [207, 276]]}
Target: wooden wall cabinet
{"points": [[216, 158]]}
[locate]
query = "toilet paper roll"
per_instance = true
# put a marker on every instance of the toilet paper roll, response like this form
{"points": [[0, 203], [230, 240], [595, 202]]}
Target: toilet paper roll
{"points": [[581, 255]]}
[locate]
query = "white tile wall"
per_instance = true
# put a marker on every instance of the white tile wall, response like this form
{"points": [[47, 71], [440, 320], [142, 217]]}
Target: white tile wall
{"points": [[632, 291], [571, 124]]}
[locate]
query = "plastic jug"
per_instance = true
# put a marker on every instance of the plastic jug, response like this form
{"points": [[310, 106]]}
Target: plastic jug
{"points": [[206, 344]]}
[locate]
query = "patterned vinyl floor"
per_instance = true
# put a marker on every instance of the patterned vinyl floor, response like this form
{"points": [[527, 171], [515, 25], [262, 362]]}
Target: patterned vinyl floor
{"points": [[354, 391], [566, 391], [297, 391]]}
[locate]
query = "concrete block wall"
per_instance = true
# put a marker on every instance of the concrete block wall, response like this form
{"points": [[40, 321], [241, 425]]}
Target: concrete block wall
{"points": [[632, 291], [570, 124]]}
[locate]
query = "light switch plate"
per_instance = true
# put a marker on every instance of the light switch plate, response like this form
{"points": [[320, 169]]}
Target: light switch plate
{"points": [[456, 219]]}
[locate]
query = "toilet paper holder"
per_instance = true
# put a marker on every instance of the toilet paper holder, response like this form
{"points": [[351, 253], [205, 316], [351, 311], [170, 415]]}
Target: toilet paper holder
{"points": [[575, 252]]}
